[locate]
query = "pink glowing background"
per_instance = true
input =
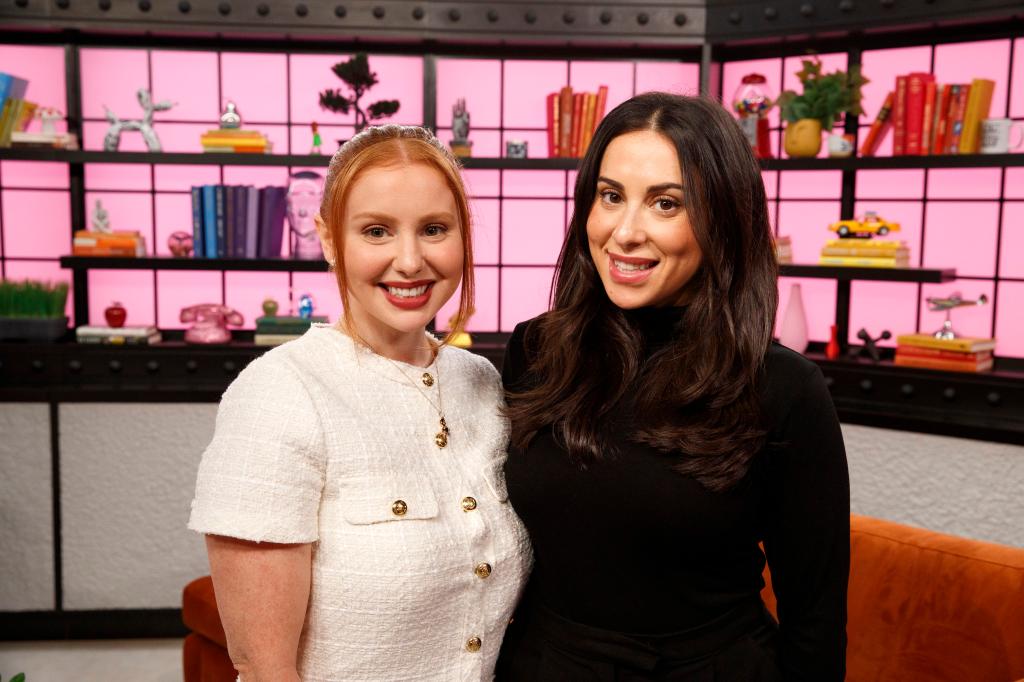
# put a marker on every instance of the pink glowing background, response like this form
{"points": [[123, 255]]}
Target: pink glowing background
{"points": [[950, 218]]}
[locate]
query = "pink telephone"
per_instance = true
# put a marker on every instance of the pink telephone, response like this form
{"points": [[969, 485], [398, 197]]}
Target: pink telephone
{"points": [[211, 322]]}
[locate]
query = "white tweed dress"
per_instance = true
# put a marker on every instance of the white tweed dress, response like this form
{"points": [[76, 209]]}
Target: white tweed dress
{"points": [[321, 441]]}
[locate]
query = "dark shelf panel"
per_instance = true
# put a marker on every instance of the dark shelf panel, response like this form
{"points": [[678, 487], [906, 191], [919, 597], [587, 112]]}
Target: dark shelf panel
{"points": [[259, 264], [897, 162], [846, 273]]}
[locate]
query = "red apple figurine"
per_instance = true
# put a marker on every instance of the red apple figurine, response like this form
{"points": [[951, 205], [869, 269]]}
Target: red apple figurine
{"points": [[115, 315]]}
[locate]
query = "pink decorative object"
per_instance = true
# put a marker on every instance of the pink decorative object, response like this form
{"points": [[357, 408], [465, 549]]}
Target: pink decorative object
{"points": [[180, 244], [793, 333], [211, 322]]}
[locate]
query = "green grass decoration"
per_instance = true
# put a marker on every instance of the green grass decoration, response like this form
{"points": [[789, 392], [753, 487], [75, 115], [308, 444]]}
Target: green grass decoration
{"points": [[32, 299]]}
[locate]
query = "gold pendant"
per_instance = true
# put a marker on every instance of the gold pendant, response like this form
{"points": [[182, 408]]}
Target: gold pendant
{"points": [[441, 439], [428, 380]]}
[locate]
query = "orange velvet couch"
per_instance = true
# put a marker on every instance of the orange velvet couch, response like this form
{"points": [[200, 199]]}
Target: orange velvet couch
{"points": [[923, 607]]}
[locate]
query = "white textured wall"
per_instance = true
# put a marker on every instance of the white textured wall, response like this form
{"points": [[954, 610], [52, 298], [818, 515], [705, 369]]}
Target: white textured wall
{"points": [[26, 508], [127, 478], [964, 487]]}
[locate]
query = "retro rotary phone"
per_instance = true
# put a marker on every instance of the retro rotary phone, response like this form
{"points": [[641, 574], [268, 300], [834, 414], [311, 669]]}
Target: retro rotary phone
{"points": [[211, 322]]}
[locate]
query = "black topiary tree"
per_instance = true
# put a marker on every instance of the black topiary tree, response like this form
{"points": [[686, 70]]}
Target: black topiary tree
{"points": [[358, 77]]}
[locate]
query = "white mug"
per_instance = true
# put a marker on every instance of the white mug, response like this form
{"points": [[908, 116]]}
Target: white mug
{"points": [[995, 135]]}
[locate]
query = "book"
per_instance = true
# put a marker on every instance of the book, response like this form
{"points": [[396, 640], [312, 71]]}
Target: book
{"points": [[941, 121], [219, 224], [229, 221], [589, 105], [966, 344], [899, 117], [252, 221], [864, 262], [956, 117], [286, 324], [209, 221], [197, 222], [928, 123], [880, 126], [118, 335], [120, 244], [261, 339], [12, 87], [866, 243], [577, 123], [865, 253], [552, 117], [564, 121], [26, 140], [271, 225], [914, 124], [602, 102], [979, 103], [239, 222], [941, 354], [904, 360]]}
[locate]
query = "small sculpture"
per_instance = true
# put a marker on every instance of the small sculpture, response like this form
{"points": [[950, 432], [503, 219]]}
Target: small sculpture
{"points": [[306, 306], [143, 125], [460, 144], [269, 307], [304, 192], [358, 78], [317, 140], [516, 149], [48, 117], [180, 244], [870, 347], [100, 219], [954, 300], [211, 322], [115, 315], [230, 119]]}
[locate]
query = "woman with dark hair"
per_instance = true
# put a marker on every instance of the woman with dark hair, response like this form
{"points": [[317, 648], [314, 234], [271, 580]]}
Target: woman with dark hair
{"points": [[663, 447]]}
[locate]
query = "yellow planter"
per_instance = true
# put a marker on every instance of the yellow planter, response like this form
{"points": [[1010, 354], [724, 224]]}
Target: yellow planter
{"points": [[803, 138]]}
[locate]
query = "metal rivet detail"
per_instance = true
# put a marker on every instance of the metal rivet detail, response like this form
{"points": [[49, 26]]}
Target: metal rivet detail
{"points": [[642, 18], [994, 398], [418, 13], [21, 3], [145, 5], [104, 5], [492, 15], [681, 19], [846, 5], [568, 17], [606, 17], [301, 10], [224, 8], [888, 3], [262, 9], [907, 390], [530, 17], [230, 367], [340, 11], [771, 13], [38, 366], [152, 366], [75, 366], [378, 12], [949, 393], [191, 366], [63, 4], [184, 6], [735, 17], [830, 382], [866, 385], [454, 15], [807, 9], [115, 366]]}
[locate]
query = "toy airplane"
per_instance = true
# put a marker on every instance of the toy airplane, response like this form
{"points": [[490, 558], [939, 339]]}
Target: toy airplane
{"points": [[954, 300]]}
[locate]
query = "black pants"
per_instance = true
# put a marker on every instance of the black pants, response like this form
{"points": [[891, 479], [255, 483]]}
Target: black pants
{"points": [[542, 646]]}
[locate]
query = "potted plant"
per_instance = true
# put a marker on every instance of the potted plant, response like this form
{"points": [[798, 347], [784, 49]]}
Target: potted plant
{"points": [[32, 311], [825, 96], [357, 76]]}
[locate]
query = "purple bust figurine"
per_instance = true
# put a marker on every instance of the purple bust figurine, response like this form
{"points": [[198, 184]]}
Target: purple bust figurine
{"points": [[304, 191]]}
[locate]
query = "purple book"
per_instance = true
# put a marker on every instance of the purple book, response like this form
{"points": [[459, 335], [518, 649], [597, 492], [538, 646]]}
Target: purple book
{"points": [[240, 217], [272, 211]]}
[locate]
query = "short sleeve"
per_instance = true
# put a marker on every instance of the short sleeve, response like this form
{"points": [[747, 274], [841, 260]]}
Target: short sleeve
{"points": [[261, 477]]}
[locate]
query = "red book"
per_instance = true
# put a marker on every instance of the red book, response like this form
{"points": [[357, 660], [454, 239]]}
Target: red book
{"points": [[882, 123], [564, 120], [914, 124], [903, 360], [899, 117], [941, 121], [577, 123], [958, 108], [602, 102], [552, 116], [940, 354], [928, 124]]}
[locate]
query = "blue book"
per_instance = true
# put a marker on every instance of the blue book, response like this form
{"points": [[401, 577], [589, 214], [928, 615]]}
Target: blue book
{"points": [[11, 87], [209, 221], [197, 222], [252, 221], [229, 221], [218, 195]]}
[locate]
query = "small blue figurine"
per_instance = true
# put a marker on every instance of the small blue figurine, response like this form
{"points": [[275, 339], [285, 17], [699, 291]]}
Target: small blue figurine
{"points": [[305, 306]]}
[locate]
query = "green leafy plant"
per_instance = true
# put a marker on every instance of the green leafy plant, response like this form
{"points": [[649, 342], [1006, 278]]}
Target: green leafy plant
{"points": [[32, 299], [825, 95], [20, 677], [357, 76]]}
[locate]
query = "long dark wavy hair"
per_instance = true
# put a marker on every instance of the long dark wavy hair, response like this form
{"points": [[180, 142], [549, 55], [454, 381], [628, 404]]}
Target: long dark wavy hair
{"points": [[698, 396]]}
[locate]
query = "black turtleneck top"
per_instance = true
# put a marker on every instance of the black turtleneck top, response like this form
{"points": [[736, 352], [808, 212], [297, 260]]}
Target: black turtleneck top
{"points": [[625, 543]]}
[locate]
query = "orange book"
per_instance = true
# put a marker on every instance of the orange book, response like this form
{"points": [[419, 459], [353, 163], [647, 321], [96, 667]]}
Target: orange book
{"points": [[941, 354], [552, 115], [899, 117], [577, 115], [941, 121], [958, 109], [602, 102], [928, 119], [903, 360], [589, 107], [565, 121], [881, 124], [979, 102]]}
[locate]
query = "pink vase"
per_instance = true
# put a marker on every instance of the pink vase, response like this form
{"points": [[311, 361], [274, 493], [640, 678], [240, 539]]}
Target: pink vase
{"points": [[793, 333]]}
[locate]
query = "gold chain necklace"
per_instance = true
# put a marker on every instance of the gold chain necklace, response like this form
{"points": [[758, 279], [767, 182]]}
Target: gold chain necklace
{"points": [[441, 438]]}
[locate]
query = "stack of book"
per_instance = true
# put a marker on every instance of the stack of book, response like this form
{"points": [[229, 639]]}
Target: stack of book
{"points": [[865, 253], [131, 336], [235, 221], [928, 119], [784, 249], [273, 331], [235, 140], [962, 354], [126, 244], [572, 119], [15, 111]]}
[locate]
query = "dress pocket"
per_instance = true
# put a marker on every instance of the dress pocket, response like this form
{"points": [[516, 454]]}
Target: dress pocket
{"points": [[398, 499]]}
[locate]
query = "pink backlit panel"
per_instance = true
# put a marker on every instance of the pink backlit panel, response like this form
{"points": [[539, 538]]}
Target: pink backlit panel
{"points": [[110, 78], [323, 287], [819, 297], [301, 139], [533, 183], [527, 85], [964, 183], [524, 294], [1011, 248], [189, 79], [486, 317], [1009, 321], [175, 178], [881, 67], [180, 137], [36, 223], [589, 76], [962, 235], [179, 290], [246, 80], [485, 214], [532, 231], [246, 291], [173, 214], [118, 176], [675, 77], [877, 306], [1017, 86], [486, 143], [34, 174], [131, 288], [810, 184], [536, 141], [258, 176], [43, 271], [1013, 188], [806, 222], [962, 62], [890, 184], [478, 81], [771, 183], [733, 73], [43, 68], [128, 211], [969, 320], [482, 183]]}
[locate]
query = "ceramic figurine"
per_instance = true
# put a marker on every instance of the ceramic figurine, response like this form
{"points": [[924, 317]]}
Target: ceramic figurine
{"points": [[516, 149], [211, 322], [115, 315], [180, 244], [317, 140], [48, 117], [793, 333], [143, 125], [270, 307], [230, 119], [305, 306], [460, 144], [100, 218], [304, 192]]}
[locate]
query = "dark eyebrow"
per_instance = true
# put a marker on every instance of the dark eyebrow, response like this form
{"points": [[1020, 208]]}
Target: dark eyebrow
{"points": [[653, 189]]}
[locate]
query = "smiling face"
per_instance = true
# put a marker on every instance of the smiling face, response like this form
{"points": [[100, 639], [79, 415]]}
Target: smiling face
{"points": [[639, 234], [402, 246]]}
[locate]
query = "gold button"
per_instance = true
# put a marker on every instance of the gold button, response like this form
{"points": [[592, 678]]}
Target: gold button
{"points": [[427, 379], [468, 504], [399, 507], [473, 644], [482, 570]]}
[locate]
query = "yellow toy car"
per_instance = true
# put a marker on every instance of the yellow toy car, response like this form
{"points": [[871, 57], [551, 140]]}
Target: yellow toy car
{"points": [[871, 224]]}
